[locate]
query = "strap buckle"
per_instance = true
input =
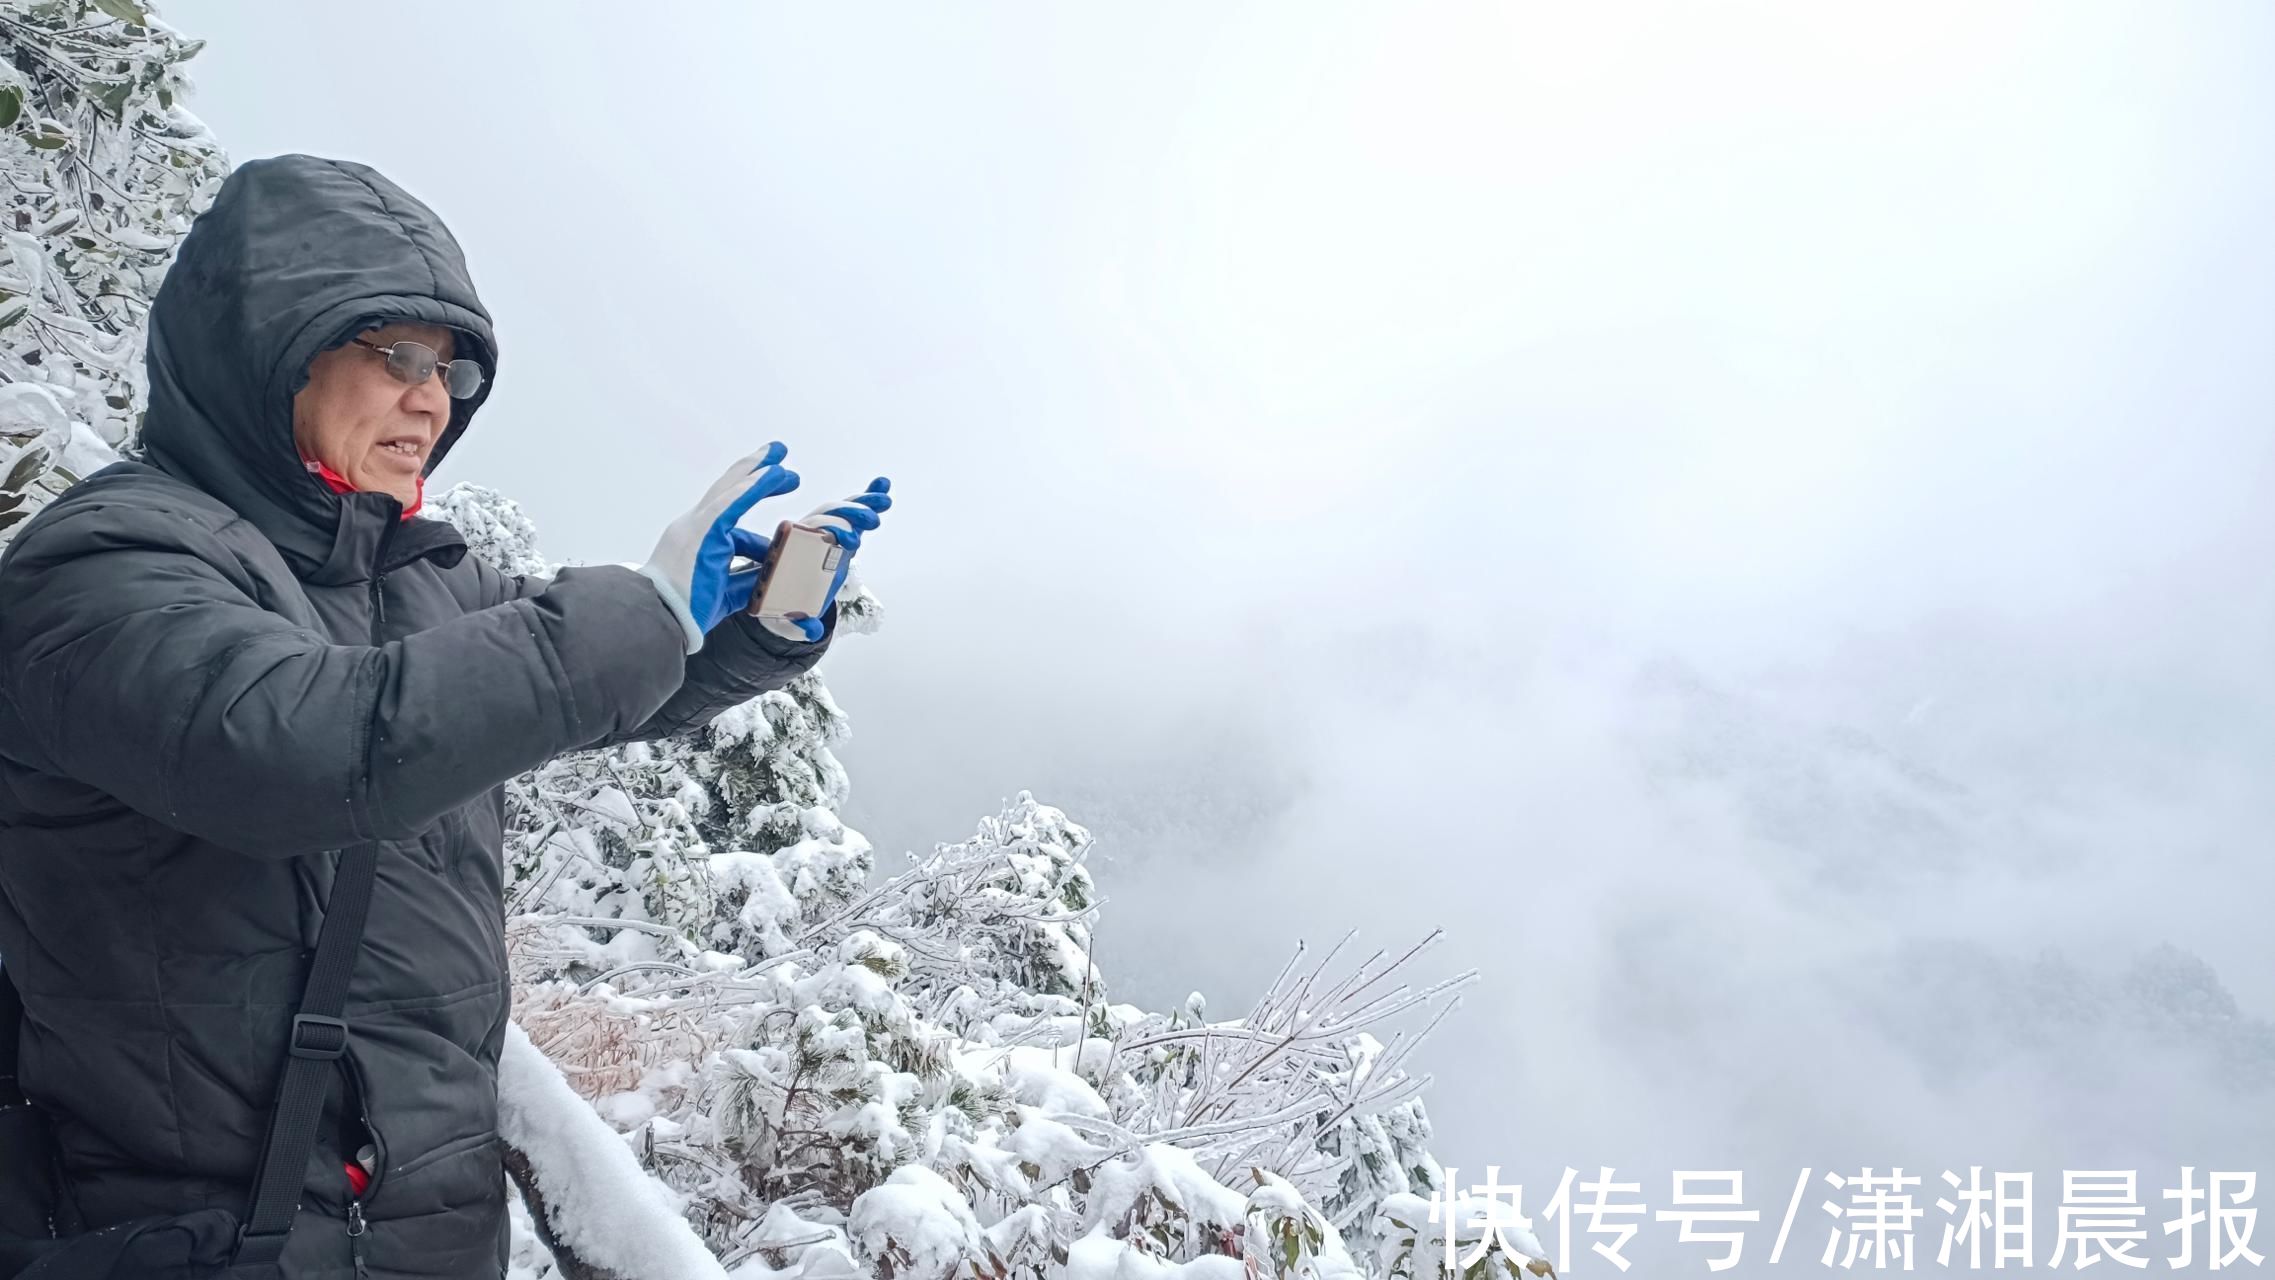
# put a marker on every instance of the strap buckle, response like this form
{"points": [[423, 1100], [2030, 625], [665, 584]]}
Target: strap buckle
{"points": [[318, 1037]]}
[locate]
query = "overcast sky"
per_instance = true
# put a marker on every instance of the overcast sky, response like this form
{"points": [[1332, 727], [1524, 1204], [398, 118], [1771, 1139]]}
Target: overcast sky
{"points": [[1752, 517]]}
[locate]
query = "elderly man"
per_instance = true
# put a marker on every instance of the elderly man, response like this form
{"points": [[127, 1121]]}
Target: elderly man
{"points": [[239, 681]]}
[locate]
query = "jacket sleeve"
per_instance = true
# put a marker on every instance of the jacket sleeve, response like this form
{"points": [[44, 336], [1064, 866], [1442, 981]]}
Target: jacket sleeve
{"points": [[739, 660], [134, 658]]}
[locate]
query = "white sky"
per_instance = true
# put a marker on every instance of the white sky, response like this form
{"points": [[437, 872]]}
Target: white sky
{"points": [[1308, 420]]}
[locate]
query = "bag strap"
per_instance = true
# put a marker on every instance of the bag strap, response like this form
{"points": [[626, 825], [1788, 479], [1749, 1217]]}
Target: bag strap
{"points": [[11, 1033], [33, 1208], [319, 1039]]}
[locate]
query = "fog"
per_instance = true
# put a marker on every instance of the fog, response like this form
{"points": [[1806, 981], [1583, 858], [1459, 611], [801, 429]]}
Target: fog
{"points": [[1753, 519]]}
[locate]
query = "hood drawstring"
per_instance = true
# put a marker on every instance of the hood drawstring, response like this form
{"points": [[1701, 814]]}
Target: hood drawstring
{"points": [[338, 483]]}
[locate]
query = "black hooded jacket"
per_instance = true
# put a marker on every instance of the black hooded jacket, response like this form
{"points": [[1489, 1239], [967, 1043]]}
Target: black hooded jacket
{"points": [[215, 671]]}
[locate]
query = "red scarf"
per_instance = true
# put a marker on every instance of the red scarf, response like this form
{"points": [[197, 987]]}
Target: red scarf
{"points": [[338, 483]]}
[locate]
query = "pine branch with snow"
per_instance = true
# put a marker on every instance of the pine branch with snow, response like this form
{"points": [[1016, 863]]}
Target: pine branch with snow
{"points": [[493, 524]]}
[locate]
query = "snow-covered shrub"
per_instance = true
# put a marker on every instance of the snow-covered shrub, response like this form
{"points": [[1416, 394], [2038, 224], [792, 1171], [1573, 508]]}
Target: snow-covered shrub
{"points": [[104, 170], [493, 522], [923, 1075]]}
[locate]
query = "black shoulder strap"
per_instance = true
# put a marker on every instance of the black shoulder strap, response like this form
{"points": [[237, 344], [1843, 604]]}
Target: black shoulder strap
{"points": [[319, 1038], [11, 1031], [28, 1183]]}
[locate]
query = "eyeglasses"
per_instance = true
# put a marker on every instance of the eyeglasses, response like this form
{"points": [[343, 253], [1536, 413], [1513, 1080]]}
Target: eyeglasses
{"points": [[415, 362]]}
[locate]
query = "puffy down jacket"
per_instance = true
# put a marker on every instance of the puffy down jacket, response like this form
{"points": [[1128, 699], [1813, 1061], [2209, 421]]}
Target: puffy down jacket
{"points": [[215, 672]]}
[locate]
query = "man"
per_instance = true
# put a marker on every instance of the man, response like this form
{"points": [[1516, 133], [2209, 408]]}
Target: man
{"points": [[223, 664]]}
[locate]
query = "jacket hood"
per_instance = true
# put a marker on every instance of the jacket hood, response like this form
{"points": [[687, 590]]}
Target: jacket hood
{"points": [[296, 255]]}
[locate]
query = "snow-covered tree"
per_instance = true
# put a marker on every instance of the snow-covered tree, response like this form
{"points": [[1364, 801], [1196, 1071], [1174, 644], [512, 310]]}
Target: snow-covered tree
{"points": [[104, 171], [925, 1074], [494, 525]]}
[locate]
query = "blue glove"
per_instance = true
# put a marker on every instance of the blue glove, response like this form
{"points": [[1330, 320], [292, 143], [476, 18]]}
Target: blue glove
{"points": [[845, 520], [689, 564]]}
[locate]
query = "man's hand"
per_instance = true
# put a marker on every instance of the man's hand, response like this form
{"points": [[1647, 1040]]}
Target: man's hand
{"points": [[845, 520], [689, 564]]}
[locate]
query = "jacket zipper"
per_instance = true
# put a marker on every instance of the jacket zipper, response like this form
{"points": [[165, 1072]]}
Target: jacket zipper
{"points": [[357, 1229], [359, 1226], [379, 577]]}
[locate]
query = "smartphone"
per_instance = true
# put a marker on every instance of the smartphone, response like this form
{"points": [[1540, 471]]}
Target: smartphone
{"points": [[800, 565]]}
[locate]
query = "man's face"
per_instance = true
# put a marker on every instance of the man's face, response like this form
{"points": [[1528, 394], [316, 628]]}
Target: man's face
{"points": [[359, 420]]}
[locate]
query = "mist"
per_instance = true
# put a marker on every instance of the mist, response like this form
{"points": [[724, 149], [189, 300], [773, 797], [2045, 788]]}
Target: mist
{"points": [[1753, 520]]}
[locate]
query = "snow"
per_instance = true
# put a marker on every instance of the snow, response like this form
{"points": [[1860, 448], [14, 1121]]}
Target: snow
{"points": [[1171, 1173], [783, 1228], [847, 987], [769, 910], [1051, 1147], [917, 1213], [605, 1207], [627, 1110], [746, 723], [611, 804], [1033, 1076], [820, 1248], [1103, 1258], [86, 453], [28, 408]]}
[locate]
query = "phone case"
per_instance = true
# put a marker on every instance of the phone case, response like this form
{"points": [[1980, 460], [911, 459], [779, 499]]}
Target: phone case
{"points": [[800, 564]]}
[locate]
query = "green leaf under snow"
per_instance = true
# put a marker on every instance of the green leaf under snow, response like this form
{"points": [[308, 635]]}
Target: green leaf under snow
{"points": [[26, 467]]}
